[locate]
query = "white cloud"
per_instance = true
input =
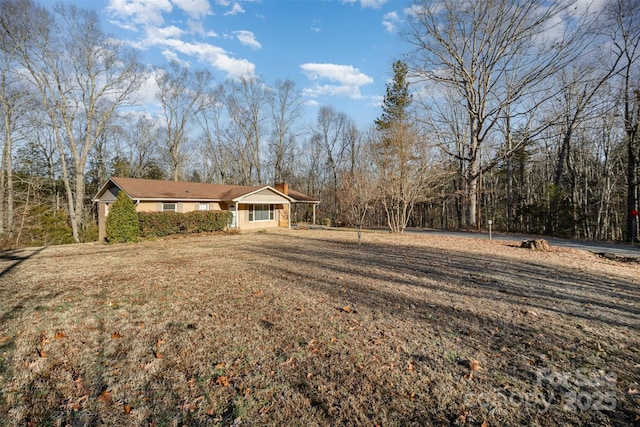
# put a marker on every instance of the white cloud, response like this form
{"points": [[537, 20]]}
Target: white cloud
{"points": [[157, 34], [376, 101], [148, 16], [235, 9], [215, 56], [170, 55], [141, 11], [348, 80], [333, 90], [591, 6], [375, 4], [345, 74], [194, 8], [416, 9], [247, 38], [123, 25], [147, 94], [196, 26], [390, 21]]}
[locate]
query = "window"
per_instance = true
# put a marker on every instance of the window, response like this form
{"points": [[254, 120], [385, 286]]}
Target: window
{"points": [[261, 213], [203, 206], [168, 207]]}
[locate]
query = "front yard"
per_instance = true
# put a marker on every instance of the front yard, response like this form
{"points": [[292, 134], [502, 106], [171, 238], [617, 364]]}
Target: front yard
{"points": [[306, 328]]}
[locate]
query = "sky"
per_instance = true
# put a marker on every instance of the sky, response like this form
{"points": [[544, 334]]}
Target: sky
{"points": [[337, 52]]}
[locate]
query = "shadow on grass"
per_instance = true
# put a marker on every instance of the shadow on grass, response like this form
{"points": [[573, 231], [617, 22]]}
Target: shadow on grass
{"points": [[530, 284], [18, 258], [553, 316]]}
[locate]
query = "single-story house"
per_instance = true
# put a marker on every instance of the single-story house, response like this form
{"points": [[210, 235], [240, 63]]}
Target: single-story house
{"points": [[253, 207]]}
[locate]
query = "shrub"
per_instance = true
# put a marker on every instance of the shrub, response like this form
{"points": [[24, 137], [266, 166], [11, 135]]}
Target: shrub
{"points": [[122, 221], [158, 224], [43, 226]]}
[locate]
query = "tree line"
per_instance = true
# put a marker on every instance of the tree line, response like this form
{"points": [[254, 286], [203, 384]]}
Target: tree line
{"points": [[520, 112]]}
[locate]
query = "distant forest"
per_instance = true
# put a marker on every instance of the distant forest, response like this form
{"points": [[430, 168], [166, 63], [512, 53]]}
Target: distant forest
{"points": [[524, 113]]}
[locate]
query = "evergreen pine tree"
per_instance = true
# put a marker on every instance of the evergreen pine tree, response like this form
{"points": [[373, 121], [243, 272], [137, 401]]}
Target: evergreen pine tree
{"points": [[396, 100]]}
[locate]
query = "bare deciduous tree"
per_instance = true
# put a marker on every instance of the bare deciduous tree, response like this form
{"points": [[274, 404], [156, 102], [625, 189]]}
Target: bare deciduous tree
{"points": [[181, 94], [329, 133], [82, 77], [246, 101], [401, 172], [358, 192], [286, 109], [471, 49], [623, 26]]}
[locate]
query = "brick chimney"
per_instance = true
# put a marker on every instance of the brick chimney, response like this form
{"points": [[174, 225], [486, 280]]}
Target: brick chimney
{"points": [[283, 187]]}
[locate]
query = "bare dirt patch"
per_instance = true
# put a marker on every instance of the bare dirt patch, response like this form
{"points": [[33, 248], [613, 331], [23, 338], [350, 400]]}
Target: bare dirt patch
{"points": [[305, 327]]}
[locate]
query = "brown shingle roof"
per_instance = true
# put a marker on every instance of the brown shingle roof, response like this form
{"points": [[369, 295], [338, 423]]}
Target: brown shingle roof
{"points": [[152, 189], [300, 197], [157, 189]]}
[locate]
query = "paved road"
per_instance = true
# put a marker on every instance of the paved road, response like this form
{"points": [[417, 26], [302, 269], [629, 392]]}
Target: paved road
{"points": [[596, 247]]}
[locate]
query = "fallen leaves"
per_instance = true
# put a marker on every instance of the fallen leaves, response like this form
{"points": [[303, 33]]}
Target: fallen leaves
{"points": [[193, 405], [473, 365], [223, 380], [156, 351], [104, 397], [312, 346], [41, 353], [76, 404]]}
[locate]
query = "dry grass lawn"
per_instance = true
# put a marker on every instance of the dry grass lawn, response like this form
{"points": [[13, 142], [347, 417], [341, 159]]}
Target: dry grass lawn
{"points": [[306, 328]]}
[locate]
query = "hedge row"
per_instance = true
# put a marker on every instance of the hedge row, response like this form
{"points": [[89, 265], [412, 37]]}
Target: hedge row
{"points": [[158, 224]]}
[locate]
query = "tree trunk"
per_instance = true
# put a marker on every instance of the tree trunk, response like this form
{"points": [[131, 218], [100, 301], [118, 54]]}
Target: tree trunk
{"points": [[510, 204], [632, 195]]}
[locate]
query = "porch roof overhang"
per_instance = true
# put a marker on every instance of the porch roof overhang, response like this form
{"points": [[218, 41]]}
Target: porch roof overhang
{"points": [[258, 201]]}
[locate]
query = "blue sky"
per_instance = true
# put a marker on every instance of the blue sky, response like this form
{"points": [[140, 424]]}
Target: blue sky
{"points": [[338, 52]]}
